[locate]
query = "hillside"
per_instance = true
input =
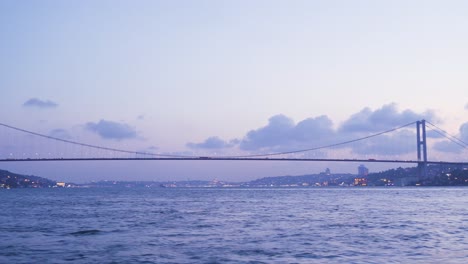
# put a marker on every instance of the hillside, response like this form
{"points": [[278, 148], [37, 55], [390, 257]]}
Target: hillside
{"points": [[13, 180], [322, 179]]}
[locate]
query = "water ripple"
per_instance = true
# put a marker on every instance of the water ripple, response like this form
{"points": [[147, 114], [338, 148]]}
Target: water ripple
{"points": [[336, 225]]}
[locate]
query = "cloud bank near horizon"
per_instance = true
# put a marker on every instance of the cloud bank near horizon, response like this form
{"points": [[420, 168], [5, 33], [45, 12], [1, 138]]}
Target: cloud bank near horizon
{"points": [[281, 133]]}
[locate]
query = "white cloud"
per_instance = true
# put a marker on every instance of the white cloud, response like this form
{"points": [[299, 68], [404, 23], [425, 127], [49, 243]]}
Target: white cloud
{"points": [[212, 143], [112, 130], [35, 102], [281, 133], [381, 119]]}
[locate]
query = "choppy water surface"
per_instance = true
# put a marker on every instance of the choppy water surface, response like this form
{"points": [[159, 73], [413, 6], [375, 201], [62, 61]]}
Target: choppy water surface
{"points": [[310, 225]]}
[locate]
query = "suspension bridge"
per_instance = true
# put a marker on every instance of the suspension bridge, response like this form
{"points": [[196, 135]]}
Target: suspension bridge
{"points": [[20, 145]]}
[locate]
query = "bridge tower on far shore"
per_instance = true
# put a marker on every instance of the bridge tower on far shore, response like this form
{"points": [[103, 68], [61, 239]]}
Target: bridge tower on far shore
{"points": [[422, 148]]}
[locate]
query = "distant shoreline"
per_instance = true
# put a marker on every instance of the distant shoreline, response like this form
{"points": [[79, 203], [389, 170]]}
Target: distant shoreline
{"points": [[439, 175]]}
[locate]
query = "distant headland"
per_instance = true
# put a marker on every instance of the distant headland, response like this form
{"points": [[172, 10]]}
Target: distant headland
{"points": [[13, 180]]}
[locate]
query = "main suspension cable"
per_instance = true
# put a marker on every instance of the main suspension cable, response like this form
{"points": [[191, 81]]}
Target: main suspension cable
{"points": [[196, 156]]}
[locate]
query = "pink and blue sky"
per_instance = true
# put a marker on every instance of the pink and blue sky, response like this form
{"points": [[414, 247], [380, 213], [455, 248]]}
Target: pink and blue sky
{"points": [[228, 77]]}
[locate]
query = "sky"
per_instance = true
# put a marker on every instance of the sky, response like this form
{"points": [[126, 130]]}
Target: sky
{"points": [[229, 78]]}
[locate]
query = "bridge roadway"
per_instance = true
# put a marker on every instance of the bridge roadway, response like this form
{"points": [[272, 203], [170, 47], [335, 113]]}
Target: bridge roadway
{"points": [[234, 159]]}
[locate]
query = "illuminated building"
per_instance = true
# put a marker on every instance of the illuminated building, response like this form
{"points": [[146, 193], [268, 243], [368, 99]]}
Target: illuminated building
{"points": [[363, 171], [361, 180]]}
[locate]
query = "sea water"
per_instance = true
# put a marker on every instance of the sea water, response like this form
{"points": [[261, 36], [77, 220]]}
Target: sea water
{"points": [[229, 225]]}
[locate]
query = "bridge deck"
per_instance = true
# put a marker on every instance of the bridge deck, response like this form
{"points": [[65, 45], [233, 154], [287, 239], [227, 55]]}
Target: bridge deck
{"points": [[233, 159]]}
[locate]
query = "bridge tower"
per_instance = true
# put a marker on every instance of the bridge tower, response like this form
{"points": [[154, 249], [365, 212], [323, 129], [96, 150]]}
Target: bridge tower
{"points": [[422, 148]]}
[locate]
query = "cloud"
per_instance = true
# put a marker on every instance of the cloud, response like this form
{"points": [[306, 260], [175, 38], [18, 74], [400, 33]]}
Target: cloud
{"points": [[464, 132], [35, 102], [112, 130], [451, 146], [466, 107], [381, 119], [60, 133], [276, 133], [313, 129], [448, 146], [433, 134], [148, 150], [392, 144], [281, 133], [213, 143]]}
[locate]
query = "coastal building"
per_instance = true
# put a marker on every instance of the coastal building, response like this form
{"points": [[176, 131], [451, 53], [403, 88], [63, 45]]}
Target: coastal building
{"points": [[363, 171], [361, 179]]}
